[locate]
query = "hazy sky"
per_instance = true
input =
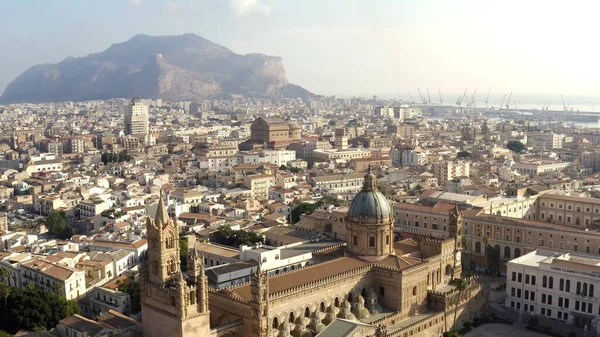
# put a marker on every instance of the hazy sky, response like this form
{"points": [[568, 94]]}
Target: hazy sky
{"points": [[360, 47]]}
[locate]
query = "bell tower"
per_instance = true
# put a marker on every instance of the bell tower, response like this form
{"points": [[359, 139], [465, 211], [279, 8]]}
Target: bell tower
{"points": [[173, 304], [259, 287], [455, 229]]}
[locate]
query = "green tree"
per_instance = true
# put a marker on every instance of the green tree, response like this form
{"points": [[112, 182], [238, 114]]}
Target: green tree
{"points": [[227, 236], [5, 291], [294, 169], [515, 146], [133, 289], [34, 309], [58, 226], [484, 128], [463, 154], [4, 334], [183, 251], [461, 285], [124, 156], [283, 167]]}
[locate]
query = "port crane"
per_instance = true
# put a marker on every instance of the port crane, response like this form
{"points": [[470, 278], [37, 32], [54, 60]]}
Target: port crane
{"points": [[428, 97], [487, 99], [441, 99], [421, 96], [508, 102], [502, 103], [472, 105], [461, 98]]}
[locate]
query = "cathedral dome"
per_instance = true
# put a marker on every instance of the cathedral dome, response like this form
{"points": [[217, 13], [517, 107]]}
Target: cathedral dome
{"points": [[369, 203]]}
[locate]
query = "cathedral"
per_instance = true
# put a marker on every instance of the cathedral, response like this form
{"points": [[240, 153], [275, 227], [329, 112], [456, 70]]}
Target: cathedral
{"points": [[373, 285]]}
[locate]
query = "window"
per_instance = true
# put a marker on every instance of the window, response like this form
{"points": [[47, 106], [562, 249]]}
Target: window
{"points": [[512, 292], [544, 282], [550, 282], [568, 286], [371, 241], [543, 298], [560, 302], [514, 276], [526, 278], [520, 277], [561, 284], [355, 240], [533, 280]]}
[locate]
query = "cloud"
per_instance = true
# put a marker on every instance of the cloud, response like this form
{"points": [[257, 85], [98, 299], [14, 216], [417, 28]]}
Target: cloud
{"points": [[135, 3], [241, 8]]}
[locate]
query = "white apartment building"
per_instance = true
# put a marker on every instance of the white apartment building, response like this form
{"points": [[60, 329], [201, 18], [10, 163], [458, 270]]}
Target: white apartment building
{"points": [[448, 170], [103, 299], [136, 118], [276, 260], [50, 276], [339, 183], [333, 154], [535, 167], [561, 287], [278, 157], [408, 156]]}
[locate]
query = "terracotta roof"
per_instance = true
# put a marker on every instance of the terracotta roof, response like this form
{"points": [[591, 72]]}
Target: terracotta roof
{"points": [[305, 275], [400, 262], [406, 246]]}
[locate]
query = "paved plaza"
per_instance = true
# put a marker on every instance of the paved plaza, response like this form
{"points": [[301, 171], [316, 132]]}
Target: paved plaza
{"points": [[502, 330]]}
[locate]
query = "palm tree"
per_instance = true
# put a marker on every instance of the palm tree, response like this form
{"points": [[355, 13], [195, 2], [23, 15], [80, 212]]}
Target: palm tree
{"points": [[461, 284], [5, 290]]}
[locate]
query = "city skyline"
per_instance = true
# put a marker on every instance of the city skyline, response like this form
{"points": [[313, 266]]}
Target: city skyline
{"points": [[342, 47]]}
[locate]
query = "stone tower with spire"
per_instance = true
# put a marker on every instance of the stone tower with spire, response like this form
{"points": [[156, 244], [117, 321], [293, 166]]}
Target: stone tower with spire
{"points": [[455, 229], [259, 288], [173, 304]]}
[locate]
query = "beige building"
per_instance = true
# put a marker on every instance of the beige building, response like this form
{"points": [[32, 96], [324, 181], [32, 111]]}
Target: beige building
{"points": [[578, 212], [273, 129], [338, 183], [535, 167], [259, 185], [136, 118], [51, 276]]}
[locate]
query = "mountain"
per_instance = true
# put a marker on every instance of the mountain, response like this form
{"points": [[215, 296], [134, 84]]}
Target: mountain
{"points": [[182, 67]]}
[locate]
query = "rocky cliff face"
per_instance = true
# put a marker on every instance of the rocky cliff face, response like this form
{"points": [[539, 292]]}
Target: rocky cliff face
{"points": [[184, 67]]}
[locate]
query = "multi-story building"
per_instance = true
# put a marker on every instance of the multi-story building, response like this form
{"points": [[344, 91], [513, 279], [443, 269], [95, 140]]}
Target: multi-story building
{"points": [[44, 204], [408, 156], [103, 299], [136, 118], [338, 183], [273, 129], [259, 185], [448, 170], [50, 276], [305, 150], [535, 167], [545, 140], [280, 194], [556, 286], [51, 146], [278, 157], [577, 212], [335, 154]]}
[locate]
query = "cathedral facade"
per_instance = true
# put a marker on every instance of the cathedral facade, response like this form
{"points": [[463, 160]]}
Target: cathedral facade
{"points": [[372, 286]]}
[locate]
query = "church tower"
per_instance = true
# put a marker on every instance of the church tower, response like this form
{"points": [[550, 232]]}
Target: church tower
{"points": [[173, 304], [455, 229], [370, 222], [259, 288]]}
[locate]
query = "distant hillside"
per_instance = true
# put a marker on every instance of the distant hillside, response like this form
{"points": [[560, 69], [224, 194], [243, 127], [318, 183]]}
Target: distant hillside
{"points": [[183, 67]]}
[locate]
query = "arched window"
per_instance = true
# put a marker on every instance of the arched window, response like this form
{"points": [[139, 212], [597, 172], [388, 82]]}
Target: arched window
{"points": [[427, 279], [448, 270], [568, 286], [478, 247], [517, 252], [578, 289], [275, 323], [336, 302], [584, 289], [307, 312], [561, 284], [322, 307], [415, 291], [381, 292], [292, 317], [551, 282], [350, 297], [192, 297], [591, 290], [545, 281], [507, 252]]}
